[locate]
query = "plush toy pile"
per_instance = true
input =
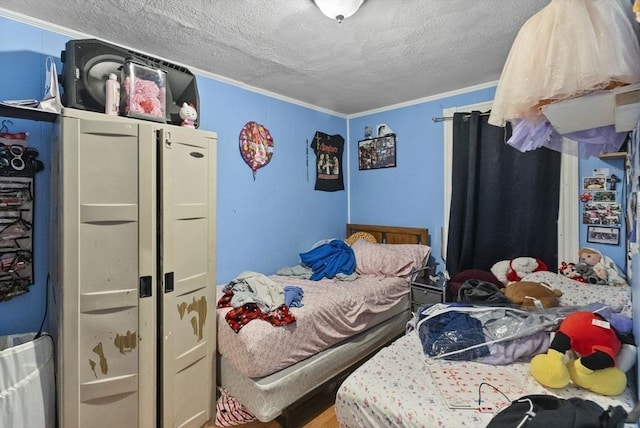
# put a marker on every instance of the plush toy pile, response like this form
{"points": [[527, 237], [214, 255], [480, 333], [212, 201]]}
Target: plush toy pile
{"points": [[593, 268], [570, 271]]}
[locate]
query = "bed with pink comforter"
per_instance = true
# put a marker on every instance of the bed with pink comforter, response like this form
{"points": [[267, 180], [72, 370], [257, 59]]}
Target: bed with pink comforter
{"points": [[332, 311], [268, 364]]}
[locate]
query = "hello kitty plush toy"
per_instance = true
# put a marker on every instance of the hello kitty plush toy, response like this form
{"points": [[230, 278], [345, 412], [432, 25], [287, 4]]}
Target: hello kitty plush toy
{"points": [[188, 114]]}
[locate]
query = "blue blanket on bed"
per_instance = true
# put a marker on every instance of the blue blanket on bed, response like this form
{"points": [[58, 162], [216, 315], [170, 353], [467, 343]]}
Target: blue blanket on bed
{"points": [[327, 260]]}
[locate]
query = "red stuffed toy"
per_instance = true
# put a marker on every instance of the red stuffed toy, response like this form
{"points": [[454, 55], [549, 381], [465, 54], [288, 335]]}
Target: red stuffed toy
{"points": [[597, 344], [521, 266]]}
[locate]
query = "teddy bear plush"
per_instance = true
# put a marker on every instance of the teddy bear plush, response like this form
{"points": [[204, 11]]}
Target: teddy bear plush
{"points": [[603, 267], [596, 343], [589, 275], [532, 294], [144, 96]]}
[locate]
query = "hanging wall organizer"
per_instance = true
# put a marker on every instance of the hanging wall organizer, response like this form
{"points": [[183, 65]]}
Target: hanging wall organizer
{"points": [[18, 166]]}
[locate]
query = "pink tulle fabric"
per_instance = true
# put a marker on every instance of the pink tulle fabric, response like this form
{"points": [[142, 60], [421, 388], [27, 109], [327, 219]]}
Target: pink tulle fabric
{"points": [[567, 49]]}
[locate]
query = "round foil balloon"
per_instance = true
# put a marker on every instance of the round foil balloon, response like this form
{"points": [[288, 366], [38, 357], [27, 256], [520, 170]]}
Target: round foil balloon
{"points": [[256, 146]]}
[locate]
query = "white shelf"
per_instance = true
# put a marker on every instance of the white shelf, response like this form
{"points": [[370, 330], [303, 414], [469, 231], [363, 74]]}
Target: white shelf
{"points": [[30, 113], [613, 155], [619, 107]]}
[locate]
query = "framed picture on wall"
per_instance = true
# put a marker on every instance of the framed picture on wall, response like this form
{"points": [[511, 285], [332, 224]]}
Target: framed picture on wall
{"points": [[594, 183], [603, 235], [375, 153], [607, 196]]}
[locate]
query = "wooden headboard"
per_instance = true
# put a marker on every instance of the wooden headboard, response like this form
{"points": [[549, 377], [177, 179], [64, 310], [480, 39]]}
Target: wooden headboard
{"points": [[392, 234]]}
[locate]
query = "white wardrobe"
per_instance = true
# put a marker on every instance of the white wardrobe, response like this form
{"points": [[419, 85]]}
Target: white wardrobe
{"points": [[133, 272]]}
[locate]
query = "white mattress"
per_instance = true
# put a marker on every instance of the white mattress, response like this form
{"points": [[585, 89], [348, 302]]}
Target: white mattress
{"points": [[267, 397], [395, 388], [333, 311]]}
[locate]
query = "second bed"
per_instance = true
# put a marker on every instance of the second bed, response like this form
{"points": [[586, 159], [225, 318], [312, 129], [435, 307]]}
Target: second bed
{"points": [[401, 387]]}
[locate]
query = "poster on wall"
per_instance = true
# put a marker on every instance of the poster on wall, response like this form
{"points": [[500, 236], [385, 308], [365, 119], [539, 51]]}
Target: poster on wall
{"points": [[328, 150], [377, 153]]}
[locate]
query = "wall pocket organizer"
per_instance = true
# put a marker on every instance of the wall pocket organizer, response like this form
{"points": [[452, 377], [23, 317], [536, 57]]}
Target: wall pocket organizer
{"points": [[18, 166]]}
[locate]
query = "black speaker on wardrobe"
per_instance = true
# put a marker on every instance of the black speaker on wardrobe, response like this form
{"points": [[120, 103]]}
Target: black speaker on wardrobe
{"points": [[86, 65]]}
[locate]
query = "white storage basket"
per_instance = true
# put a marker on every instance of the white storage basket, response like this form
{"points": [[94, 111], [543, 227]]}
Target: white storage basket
{"points": [[27, 382]]}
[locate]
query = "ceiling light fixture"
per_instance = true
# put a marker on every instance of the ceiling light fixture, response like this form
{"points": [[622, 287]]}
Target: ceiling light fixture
{"points": [[338, 9]]}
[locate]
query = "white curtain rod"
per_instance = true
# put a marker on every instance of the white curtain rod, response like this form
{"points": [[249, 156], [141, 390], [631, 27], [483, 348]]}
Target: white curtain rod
{"points": [[443, 118]]}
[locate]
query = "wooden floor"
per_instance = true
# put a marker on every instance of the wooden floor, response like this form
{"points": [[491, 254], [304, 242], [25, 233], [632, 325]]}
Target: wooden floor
{"points": [[326, 419], [317, 412]]}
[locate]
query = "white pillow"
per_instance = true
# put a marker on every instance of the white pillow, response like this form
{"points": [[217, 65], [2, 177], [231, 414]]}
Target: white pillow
{"points": [[418, 253], [374, 259]]}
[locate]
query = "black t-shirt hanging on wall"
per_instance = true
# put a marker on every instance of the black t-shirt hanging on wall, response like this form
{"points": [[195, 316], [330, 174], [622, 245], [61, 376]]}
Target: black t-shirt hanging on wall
{"points": [[328, 150]]}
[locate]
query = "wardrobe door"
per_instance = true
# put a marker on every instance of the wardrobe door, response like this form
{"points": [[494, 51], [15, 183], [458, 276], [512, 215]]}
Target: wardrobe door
{"points": [[101, 226], [187, 254]]}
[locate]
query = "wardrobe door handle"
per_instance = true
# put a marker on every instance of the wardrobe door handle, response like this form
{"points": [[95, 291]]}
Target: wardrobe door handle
{"points": [[168, 282], [145, 286]]}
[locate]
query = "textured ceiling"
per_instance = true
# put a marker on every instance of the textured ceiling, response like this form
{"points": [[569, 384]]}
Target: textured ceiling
{"points": [[389, 52]]}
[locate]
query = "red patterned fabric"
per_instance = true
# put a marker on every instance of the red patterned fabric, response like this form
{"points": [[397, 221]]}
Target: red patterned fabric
{"points": [[239, 317], [230, 412]]}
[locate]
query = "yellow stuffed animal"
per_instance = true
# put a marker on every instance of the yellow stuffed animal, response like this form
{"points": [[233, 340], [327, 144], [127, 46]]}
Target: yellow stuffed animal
{"points": [[532, 294]]}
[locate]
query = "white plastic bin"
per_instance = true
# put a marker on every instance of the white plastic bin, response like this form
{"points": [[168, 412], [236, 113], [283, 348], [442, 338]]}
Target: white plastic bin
{"points": [[27, 382]]}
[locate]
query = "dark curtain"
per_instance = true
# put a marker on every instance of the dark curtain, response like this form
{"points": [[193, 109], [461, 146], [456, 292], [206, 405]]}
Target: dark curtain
{"points": [[504, 203]]}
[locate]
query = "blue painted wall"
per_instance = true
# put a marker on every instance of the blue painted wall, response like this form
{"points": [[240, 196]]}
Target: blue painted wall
{"points": [[412, 193], [618, 253], [280, 209], [23, 50], [264, 224]]}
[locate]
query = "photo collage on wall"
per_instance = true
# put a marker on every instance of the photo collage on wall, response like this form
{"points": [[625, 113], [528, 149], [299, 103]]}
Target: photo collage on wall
{"points": [[633, 193], [601, 210]]}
